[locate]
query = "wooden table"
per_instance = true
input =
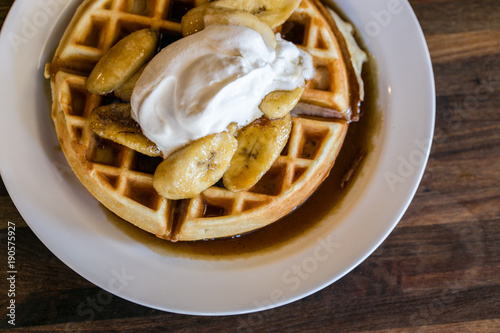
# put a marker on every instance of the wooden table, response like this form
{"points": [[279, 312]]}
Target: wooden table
{"points": [[439, 271]]}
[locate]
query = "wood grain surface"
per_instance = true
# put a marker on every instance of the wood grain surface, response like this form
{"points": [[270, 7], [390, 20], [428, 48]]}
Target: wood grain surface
{"points": [[439, 270]]}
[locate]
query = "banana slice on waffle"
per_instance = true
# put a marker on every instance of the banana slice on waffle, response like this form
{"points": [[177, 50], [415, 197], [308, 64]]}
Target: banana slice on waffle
{"points": [[122, 178]]}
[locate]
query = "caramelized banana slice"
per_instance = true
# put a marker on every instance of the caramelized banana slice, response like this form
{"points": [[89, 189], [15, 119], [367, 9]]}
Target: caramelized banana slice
{"points": [[208, 13], [122, 61], [192, 22], [229, 16], [125, 90], [272, 12], [113, 122], [259, 145], [194, 168], [279, 103]]}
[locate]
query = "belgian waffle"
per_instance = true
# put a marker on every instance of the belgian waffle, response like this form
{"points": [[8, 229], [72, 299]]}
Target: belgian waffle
{"points": [[121, 179]]}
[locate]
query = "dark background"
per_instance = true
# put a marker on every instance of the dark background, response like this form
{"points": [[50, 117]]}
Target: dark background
{"points": [[439, 271]]}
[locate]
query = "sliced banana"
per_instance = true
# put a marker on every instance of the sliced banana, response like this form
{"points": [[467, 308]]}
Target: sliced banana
{"points": [[229, 16], [194, 168], [279, 103], [210, 13], [113, 122], [259, 145], [124, 91], [232, 128], [192, 22], [121, 61], [272, 12]]}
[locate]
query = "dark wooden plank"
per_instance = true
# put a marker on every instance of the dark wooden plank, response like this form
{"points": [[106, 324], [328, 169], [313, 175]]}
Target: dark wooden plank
{"points": [[455, 16]]}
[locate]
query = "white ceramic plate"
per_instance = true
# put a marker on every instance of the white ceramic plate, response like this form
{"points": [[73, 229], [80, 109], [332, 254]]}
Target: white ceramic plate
{"points": [[69, 221]]}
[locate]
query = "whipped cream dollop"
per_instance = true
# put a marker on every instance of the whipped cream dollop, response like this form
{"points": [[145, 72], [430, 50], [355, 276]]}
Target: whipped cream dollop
{"points": [[202, 83]]}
